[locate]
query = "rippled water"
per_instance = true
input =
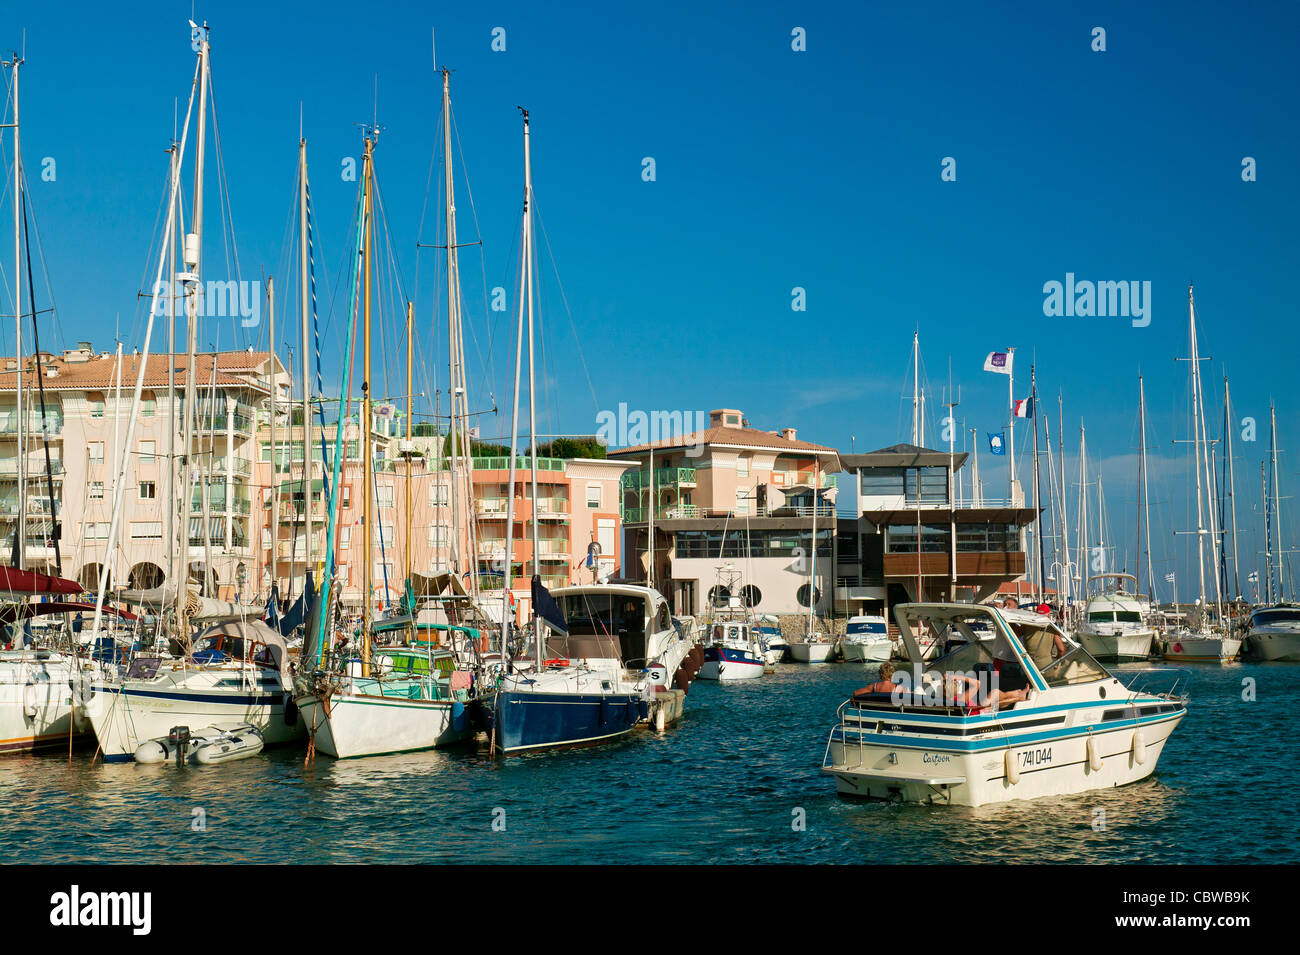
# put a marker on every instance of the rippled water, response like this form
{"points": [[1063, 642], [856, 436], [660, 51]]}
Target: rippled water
{"points": [[721, 786]]}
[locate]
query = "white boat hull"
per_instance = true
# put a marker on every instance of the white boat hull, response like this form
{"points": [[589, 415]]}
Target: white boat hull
{"points": [[350, 726], [1118, 647], [1277, 646], [922, 771], [1201, 649], [812, 652], [877, 651], [126, 714], [36, 706]]}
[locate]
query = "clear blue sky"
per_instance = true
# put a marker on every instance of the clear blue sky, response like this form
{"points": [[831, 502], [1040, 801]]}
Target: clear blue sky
{"points": [[774, 169]]}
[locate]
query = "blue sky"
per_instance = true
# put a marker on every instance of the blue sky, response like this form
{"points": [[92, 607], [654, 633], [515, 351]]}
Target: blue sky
{"points": [[775, 169]]}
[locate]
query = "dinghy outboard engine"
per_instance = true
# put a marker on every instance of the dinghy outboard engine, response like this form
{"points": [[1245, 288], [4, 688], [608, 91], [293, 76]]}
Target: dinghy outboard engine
{"points": [[179, 737]]}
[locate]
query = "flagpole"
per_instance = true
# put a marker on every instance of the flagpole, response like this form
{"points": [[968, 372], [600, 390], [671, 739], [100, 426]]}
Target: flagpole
{"points": [[1011, 424]]}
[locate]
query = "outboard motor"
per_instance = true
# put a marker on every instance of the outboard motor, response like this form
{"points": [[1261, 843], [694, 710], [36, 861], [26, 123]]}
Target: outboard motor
{"points": [[179, 736]]}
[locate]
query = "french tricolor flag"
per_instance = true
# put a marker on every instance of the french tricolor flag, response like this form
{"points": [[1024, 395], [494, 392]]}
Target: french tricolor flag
{"points": [[1024, 408]]}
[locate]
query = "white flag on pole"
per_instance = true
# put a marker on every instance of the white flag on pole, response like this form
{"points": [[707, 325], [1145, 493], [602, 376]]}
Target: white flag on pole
{"points": [[999, 362]]}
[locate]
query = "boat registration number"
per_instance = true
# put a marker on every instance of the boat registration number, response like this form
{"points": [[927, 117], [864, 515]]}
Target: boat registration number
{"points": [[1035, 757]]}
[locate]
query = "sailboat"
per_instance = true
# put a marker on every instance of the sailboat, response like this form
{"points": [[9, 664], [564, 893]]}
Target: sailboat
{"points": [[817, 645], [607, 656], [389, 699], [1273, 630], [38, 706], [1206, 640]]}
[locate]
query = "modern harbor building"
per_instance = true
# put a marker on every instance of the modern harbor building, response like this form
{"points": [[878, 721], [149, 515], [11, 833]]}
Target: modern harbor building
{"points": [[738, 495]]}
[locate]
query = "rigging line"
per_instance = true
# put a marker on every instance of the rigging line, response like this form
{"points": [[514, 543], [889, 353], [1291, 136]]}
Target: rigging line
{"points": [[565, 299], [40, 382], [478, 232]]}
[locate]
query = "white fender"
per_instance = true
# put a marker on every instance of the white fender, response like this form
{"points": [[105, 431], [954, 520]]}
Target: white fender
{"points": [[660, 719], [1139, 747], [29, 700], [1094, 759], [1013, 771]]}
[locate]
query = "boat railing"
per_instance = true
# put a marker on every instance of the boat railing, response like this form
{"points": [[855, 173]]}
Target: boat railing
{"points": [[1177, 682]]}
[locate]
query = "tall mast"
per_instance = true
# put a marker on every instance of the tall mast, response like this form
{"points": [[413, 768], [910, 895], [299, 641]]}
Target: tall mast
{"points": [[453, 327], [1277, 504], [1066, 581], [1196, 444], [916, 388], [305, 307], [1268, 535], [812, 571], [1085, 565], [1232, 486], [532, 387], [408, 451], [1038, 491], [367, 463], [174, 561], [1144, 499], [1011, 425], [514, 420], [20, 532], [193, 256], [275, 490]]}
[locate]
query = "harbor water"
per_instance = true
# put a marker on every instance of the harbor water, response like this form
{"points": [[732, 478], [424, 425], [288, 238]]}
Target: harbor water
{"points": [[736, 781]]}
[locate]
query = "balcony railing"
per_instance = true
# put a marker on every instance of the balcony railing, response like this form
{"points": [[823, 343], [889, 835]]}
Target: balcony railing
{"points": [[641, 515], [522, 463], [53, 424], [236, 465], [663, 477]]}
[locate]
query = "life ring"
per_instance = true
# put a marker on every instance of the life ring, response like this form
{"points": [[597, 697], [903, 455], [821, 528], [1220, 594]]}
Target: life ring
{"points": [[557, 662]]}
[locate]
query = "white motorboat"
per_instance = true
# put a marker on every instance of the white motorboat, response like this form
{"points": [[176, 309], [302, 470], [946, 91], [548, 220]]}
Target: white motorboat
{"points": [[733, 650], [1114, 628], [1273, 633], [238, 672], [773, 640], [866, 640], [943, 736], [1189, 646]]}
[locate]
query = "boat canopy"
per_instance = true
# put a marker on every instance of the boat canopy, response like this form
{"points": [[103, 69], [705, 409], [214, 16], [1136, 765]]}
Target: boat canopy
{"points": [[254, 631]]}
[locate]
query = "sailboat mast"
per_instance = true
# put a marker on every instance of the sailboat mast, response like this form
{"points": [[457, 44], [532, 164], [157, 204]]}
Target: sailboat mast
{"points": [[367, 462], [916, 389], [514, 420], [1232, 486], [192, 255], [20, 532], [174, 562], [409, 450], [1038, 491], [1277, 503], [1144, 499], [453, 325], [532, 387], [275, 490], [304, 293], [1066, 581], [1196, 443], [1084, 564]]}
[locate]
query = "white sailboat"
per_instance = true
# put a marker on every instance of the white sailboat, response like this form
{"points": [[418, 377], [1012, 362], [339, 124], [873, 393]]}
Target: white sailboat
{"points": [[1272, 631], [1207, 640], [817, 646]]}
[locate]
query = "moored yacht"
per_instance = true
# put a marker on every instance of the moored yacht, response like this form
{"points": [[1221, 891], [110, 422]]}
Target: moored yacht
{"points": [[1114, 627], [1273, 633], [987, 723], [1189, 646], [612, 657], [866, 640], [733, 650], [238, 672]]}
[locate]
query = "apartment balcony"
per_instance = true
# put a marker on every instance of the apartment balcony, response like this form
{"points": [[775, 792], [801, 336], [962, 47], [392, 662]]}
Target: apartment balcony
{"points": [[491, 507], [239, 466], [663, 477], [34, 424], [669, 512], [552, 508], [35, 466], [523, 462], [803, 479], [239, 507]]}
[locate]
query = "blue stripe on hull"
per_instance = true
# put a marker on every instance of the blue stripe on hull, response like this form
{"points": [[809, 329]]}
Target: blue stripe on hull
{"points": [[543, 720], [731, 655]]}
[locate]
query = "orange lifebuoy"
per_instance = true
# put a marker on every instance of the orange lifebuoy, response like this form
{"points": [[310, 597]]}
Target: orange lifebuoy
{"points": [[557, 662]]}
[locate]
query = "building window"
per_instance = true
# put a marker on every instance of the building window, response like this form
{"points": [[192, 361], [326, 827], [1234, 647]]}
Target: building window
{"points": [[146, 530], [438, 495], [95, 491], [742, 466], [148, 407], [345, 538], [96, 449], [750, 595], [928, 485], [148, 490], [96, 407], [802, 595], [593, 495], [385, 495], [95, 532], [347, 495], [266, 539], [147, 449], [384, 534], [742, 500], [901, 539], [438, 535]]}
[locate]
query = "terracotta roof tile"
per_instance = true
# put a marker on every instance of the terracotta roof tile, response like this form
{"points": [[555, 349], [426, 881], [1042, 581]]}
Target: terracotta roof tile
{"points": [[100, 371]]}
